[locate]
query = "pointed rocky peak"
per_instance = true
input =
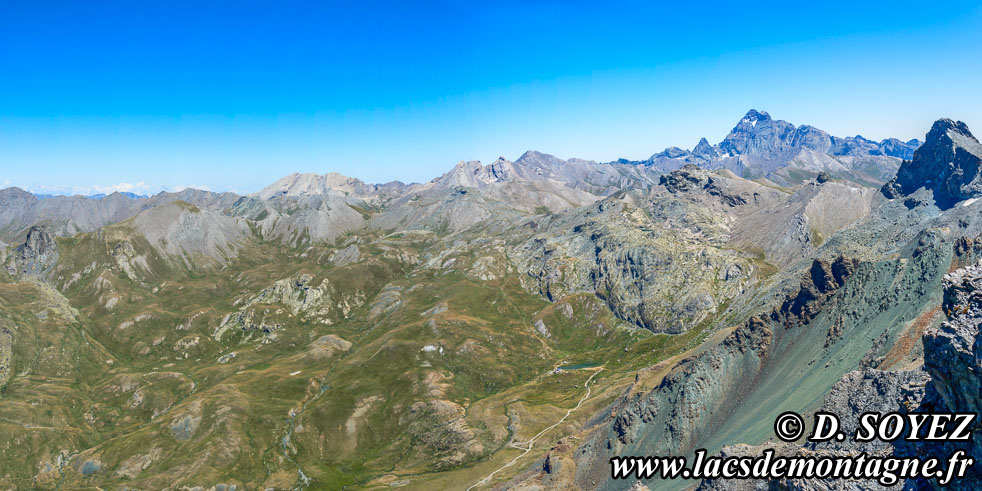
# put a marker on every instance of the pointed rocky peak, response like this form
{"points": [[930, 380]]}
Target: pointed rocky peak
{"points": [[753, 117], [945, 128], [757, 133], [948, 163], [704, 150]]}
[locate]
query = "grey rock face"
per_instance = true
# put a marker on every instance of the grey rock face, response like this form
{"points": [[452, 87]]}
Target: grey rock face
{"points": [[953, 358], [948, 164], [757, 133], [36, 255], [704, 150], [823, 279], [870, 390], [900, 149], [953, 355], [691, 178], [6, 351], [820, 329], [653, 274], [812, 138]]}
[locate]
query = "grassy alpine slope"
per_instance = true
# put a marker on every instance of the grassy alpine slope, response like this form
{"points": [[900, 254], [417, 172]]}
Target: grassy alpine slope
{"points": [[379, 357]]}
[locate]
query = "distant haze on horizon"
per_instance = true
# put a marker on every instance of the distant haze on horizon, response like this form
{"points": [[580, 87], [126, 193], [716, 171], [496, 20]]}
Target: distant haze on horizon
{"points": [[232, 96]]}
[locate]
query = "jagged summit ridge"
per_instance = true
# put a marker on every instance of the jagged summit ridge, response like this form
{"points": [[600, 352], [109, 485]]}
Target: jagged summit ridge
{"points": [[948, 164], [761, 146]]}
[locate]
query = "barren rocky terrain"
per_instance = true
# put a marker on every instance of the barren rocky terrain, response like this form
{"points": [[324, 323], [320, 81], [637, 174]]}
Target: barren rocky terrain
{"points": [[505, 325]]}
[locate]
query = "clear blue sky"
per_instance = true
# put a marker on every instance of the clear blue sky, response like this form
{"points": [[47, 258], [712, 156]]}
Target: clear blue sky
{"points": [[154, 95]]}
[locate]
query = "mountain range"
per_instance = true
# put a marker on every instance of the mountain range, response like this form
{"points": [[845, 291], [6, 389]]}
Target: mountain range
{"points": [[506, 325], [758, 147]]}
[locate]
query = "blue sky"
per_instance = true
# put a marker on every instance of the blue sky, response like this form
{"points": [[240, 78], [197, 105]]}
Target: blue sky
{"points": [[145, 96]]}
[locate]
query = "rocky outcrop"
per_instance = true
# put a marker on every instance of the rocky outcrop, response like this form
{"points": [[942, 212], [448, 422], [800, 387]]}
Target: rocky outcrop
{"points": [[691, 178], [870, 390], [839, 313], [298, 295], [36, 256], [653, 273], [6, 351], [948, 164], [953, 358], [953, 352], [823, 279]]}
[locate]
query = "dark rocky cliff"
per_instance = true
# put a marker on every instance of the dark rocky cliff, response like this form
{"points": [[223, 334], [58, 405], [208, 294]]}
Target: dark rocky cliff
{"points": [[948, 164]]}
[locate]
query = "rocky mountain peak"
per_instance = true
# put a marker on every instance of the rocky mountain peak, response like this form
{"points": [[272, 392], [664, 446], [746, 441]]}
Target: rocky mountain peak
{"points": [[705, 150], [948, 163], [761, 146], [311, 184], [533, 157], [476, 175], [946, 130], [758, 134], [15, 192], [753, 116]]}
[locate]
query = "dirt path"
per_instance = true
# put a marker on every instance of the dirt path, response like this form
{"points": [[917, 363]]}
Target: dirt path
{"points": [[527, 446]]}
